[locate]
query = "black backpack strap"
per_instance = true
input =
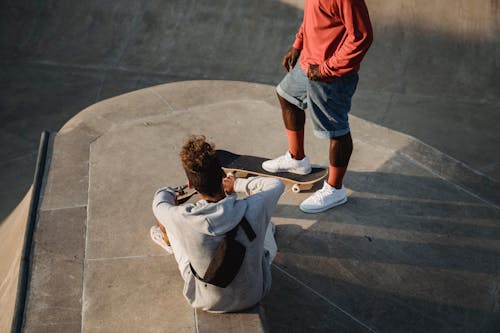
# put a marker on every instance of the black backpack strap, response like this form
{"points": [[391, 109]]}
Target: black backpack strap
{"points": [[248, 229], [194, 273], [228, 257]]}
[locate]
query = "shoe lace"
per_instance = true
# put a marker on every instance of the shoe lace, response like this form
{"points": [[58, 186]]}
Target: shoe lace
{"points": [[321, 194], [280, 160]]}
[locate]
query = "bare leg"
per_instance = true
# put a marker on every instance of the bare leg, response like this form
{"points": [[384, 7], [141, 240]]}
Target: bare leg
{"points": [[340, 153], [294, 119], [164, 232]]}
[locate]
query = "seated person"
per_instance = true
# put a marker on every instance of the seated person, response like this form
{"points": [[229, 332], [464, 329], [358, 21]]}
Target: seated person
{"points": [[196, 230]]}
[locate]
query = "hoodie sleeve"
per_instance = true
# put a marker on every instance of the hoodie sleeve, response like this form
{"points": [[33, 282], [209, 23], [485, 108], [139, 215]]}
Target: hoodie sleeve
{"points": [[163, 201], [270, 189]]}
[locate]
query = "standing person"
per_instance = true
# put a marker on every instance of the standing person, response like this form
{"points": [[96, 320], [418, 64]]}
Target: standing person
{"points": [[196, 232], [332, 40]]}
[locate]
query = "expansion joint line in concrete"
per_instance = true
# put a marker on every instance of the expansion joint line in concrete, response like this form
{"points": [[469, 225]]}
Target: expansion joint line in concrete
{"points": [[458, 186], [324, 298], [454, 160], [53, 209], [82, 315], [99, 90], [19, 158], [96, 69], [154, 92], [173, 112], [387, 108], [128, 257], [195, 317]]}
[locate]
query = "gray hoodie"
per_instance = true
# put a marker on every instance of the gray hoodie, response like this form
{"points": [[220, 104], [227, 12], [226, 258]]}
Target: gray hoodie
{"points": [[195, 230]]}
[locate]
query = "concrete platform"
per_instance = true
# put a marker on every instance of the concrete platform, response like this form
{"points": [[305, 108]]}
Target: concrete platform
{"points": [[415, 249]]}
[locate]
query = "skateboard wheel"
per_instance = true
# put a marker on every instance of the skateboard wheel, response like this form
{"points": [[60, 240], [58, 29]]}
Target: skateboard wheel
{"points": [[295, 188]]}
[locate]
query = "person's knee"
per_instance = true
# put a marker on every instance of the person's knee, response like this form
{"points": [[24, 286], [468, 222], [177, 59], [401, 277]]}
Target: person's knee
{"points": [[340, 150], [164, 232], [293, 116]]}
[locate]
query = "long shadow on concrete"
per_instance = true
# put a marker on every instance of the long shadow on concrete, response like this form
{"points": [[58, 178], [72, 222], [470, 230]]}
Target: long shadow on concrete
{"points": [[395, 258], [321, 309]]}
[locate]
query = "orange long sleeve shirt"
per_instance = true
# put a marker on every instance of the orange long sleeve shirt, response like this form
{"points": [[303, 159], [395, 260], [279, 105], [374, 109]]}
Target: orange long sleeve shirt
{"points": [[335, 34]]}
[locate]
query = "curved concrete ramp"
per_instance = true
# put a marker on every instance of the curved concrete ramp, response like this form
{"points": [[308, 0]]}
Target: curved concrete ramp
{"points": [[415, 249], [11, 240]]}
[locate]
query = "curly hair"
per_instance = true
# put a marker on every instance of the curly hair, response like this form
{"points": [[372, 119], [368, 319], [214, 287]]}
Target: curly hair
{"points": [[201, 165]]}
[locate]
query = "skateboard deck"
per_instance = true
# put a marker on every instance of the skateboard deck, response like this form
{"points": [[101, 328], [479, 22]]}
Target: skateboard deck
{"points": [[183, 193], [243, 165]]}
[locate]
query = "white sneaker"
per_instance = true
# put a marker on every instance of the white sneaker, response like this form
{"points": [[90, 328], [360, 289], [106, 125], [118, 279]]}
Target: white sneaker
{"points": [[157, 237], [286, 163], [324, 199]]}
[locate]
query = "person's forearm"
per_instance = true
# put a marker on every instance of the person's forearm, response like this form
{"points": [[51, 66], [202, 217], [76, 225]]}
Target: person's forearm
{"points": [[269, 189], [254, 185], [163, 200], [163, 196]]}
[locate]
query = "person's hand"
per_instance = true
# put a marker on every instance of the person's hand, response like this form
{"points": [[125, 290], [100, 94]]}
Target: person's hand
{"points": [[180, 194], [176, 198], [228, 183], [290, 58], [313, 73]]}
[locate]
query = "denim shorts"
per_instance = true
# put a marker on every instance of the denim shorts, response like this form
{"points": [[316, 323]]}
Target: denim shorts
{"points": [[329, 102]]}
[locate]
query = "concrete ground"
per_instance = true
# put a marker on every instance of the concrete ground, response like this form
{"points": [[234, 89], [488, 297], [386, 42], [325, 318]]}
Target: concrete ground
{"points": [[431, 73], [413, 250]]}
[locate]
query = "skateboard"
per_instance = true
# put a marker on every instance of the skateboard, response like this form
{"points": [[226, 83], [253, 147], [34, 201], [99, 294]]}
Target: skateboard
{"points": [[243, 165], [183, 193]]}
